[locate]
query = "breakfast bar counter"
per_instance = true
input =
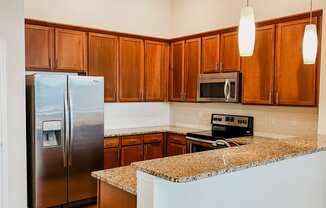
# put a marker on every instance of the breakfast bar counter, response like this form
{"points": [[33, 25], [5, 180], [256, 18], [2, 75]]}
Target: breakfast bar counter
{"points": [[205, 168]]}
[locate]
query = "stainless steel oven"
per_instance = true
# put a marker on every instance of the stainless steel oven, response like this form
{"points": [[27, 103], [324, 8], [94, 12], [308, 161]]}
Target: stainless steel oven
{"points": [[219, 87]]}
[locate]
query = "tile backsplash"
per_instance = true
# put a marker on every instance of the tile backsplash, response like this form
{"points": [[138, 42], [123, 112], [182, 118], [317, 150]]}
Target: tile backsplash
{"points": [[268, 119]]}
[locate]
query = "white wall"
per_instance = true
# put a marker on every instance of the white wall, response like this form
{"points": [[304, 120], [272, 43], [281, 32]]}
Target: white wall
{"points": [[12, 31], [193, 16], [140, 17], [131, 115]]}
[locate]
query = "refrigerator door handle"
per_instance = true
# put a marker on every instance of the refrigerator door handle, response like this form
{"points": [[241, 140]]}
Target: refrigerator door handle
{"points": [[71, 128], [66, 127]]}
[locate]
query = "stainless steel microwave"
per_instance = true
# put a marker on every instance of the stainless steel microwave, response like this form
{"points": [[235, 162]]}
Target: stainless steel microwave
{"points": [[219, 87]]}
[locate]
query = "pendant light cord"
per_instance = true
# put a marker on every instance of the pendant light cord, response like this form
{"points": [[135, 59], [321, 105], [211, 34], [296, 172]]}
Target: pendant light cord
{"points": [[310, 11]]}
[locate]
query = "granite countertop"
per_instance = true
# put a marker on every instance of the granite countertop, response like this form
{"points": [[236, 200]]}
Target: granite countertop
{"points": [[148, 130], [257, 151], [123, 178], [254, 151]]}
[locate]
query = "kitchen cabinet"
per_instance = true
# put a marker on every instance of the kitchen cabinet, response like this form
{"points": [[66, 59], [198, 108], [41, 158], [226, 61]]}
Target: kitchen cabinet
{"points": [[192, 68], [70, 50], [112, 153], [132, 149], [176, 149], [229, 52], [130, 154], [210, 54], [156, 68], [176, 81], [153, 146], [176, 144], [295, 81], [39, 47], [258, 70], [103, 61], [111, 158], [131, 69]]}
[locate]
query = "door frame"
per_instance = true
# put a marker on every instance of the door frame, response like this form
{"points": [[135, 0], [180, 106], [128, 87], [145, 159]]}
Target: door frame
{"points": [[3, 127]]}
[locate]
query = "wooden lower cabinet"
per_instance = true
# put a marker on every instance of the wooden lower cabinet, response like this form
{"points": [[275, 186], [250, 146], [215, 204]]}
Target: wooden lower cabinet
{"points": [[176, 149], [176, 144], [111, 158], [130, 154], [153, 151], [111, 197]]}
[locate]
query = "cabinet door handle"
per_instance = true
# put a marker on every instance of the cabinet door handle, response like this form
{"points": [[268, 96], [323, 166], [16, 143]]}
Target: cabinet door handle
{"points": [[270, 97], [50, 64], [221, 66], [277, 98], [118, 154]]}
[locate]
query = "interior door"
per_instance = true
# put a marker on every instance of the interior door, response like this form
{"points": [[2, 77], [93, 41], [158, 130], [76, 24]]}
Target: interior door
{"points": [[86, 103]]}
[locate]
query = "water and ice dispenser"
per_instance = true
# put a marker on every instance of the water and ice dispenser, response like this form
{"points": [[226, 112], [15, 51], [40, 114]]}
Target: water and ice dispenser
{"points": [[52, 136]]}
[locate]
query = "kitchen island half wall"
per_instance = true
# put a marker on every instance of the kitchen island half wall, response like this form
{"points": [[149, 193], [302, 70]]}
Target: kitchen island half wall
{"points": [[268, 119]]}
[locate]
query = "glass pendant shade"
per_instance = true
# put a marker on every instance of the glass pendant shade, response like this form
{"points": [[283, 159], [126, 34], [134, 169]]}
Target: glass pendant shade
{"points": [[247, 32], [310, 44]]}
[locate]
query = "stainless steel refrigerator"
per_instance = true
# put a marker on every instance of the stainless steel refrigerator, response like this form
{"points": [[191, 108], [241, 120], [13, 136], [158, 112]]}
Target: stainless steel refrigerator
{"points": [[65, 127]]}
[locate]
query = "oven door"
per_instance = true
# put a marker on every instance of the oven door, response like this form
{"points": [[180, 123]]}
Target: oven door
{"points": [[221, 87]]}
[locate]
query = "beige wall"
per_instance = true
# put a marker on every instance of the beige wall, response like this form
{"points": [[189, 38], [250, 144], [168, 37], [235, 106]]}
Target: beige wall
{"points": [[192, 16], [268, 119], [142, 17]]}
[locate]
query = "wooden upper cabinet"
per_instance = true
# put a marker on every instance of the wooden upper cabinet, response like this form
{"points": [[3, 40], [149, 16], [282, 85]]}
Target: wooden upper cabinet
{"points": [[131, 69], [295, 81], [70, 50], [258, 70], [39, 47], [156, 67], [192, 68], [229, 52], [210, 54], [103, 61], [176, 82]]}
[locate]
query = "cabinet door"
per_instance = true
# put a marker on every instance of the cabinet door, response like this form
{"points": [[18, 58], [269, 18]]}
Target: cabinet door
{"points": [[192, 68], [153, 150], [70, 50], [175, 149], [176, 81], [230, 57], [103, 61], [111, 158], [130, 154], [211, 54], [39, 47], [295, 81], [156, 65], [131, 71], [258, 70]]}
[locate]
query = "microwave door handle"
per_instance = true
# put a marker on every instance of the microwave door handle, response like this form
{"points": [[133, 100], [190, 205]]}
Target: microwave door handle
{"points": [[226, 89], [229, 90]]}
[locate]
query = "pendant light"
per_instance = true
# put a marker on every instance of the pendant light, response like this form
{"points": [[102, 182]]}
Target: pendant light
{"points": [[310, 41], [247, 31]]}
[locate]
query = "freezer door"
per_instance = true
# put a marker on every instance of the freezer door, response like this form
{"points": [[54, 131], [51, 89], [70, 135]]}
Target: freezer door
{"points": [[48, 158], [86, 103]]}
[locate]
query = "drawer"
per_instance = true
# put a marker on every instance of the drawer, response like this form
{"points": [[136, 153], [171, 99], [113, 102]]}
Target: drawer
{"points": [[177, 139], [153, 138], [111, 142], [132, 140]]}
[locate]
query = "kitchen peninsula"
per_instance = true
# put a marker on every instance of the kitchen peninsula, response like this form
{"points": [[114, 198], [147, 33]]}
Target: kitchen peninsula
{"points": [[265, 172]]}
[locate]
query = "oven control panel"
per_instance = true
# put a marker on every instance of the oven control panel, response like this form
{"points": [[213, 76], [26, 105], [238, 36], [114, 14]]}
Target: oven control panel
{"points": [[230, 120]]}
